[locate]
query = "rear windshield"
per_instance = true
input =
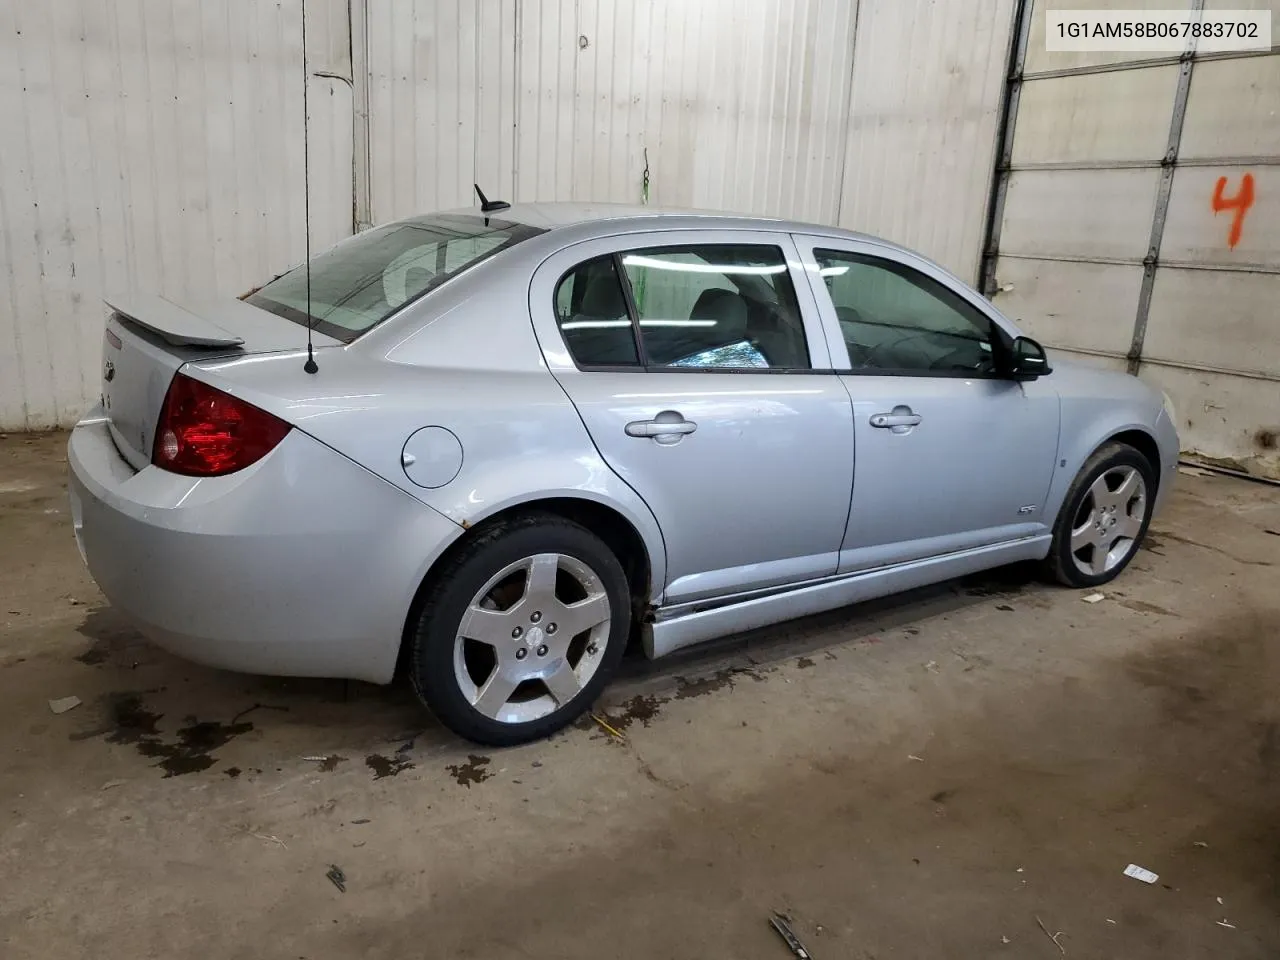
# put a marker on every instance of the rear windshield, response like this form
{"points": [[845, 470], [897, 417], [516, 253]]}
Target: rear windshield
{"points": [[362, 281]]}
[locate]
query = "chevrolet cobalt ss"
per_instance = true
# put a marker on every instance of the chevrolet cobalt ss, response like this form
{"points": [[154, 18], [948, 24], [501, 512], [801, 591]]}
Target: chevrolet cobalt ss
{"points": [[534, 433]]}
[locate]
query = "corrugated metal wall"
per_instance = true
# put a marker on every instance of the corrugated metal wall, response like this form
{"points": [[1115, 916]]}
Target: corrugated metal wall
{"points": [[880, 116], [1117, 243], [740, 104], [158, 145], [927, 82]]}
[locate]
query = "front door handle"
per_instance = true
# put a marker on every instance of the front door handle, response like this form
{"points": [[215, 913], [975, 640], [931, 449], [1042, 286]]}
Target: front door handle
{"points": [[667, 427], [900, 419], [895, 420]]}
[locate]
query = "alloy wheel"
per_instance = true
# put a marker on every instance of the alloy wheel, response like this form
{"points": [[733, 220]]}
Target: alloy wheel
{"points": [[1109, 520], [532, 638]]}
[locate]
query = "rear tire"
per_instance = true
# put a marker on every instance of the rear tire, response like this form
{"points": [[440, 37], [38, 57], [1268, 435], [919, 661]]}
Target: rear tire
{"points": [[521, 631], [1103, 518]]}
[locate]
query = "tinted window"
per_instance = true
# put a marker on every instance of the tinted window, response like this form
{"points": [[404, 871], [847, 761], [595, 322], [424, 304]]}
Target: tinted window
{"points": [[362, 281], [592, 312], [897, 319], [716, 306]]}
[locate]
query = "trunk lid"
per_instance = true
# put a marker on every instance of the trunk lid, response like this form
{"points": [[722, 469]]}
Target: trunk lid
{"points": [[148, 338]]}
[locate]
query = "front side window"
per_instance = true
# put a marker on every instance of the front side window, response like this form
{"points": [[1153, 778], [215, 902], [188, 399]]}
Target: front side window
{"points": [[896, 319], [363, 280]]}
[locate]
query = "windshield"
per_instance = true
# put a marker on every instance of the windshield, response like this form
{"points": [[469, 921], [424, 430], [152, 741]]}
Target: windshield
{"points": [[362, 281]]}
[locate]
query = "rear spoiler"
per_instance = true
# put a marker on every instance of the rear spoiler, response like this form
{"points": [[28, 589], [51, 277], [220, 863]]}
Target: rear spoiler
{"points": [[176, 324]]}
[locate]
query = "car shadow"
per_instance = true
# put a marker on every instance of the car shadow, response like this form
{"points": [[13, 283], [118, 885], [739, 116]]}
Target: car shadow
{"points": [[185, 718]]}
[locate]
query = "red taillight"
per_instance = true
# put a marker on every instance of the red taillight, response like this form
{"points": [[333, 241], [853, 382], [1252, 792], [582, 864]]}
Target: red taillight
{"points": [[204, 432]]}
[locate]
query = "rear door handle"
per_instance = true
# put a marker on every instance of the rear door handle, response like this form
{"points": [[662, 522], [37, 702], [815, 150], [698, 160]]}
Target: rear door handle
{"points": [[667, 427]]}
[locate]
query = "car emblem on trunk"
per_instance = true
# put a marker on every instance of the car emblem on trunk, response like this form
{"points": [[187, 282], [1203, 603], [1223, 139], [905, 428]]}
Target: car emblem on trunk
{"points": [[109, 372]]}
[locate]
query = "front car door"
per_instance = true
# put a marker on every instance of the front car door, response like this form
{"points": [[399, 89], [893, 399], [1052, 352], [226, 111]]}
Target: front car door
{"points": [[698, 365], [950, 454]]}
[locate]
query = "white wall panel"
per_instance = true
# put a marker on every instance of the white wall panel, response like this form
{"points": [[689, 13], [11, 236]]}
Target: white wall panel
{"points": [[1229, 419], [1079, 213], [154, 145], [1082, 306], [159, 144], [1217, 318], [923, 120], [1096, 116], [1194, 231], [740, 105], [431, 66], [1040, 59], [1233, 109]]}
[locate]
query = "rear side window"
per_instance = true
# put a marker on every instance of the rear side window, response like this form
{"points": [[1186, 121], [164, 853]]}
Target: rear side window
{"points": [[716, 306], [363, 280], [591, 309], [728, 307]]}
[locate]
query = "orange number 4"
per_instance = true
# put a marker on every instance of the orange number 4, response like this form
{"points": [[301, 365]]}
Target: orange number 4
{"points": [[1240, 203]]}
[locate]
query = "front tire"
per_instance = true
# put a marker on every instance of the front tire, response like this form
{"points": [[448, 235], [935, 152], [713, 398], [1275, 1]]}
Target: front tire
{"points": [[521, 631], [1103, 518]]}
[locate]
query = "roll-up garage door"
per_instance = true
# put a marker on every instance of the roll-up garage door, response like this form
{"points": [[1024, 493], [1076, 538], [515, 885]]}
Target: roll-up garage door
{"points": [[1137, 225]]}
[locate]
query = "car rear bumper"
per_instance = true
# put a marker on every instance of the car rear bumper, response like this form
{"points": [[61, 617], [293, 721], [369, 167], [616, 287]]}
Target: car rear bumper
{"points": [[304, 564]]}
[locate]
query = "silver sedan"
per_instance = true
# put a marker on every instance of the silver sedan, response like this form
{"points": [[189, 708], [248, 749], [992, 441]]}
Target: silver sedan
{"points": [[525, 436]]}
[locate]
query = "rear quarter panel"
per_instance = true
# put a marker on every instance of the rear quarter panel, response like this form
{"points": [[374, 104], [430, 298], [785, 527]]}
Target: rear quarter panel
{"points": [[466, 360]]}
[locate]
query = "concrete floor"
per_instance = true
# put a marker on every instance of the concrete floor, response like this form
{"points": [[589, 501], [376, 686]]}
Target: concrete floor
{"points": [[963, 772]]}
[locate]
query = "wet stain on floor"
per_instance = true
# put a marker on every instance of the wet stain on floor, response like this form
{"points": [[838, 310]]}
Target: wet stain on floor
{"points": [[130, 722], [640, 708], [111, 635], [387, 766], [1000, 582], [720, 680], [473, 771]]}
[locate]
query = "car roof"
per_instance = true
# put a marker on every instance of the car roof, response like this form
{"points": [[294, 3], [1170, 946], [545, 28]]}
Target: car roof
{"points": [[558, 215]]}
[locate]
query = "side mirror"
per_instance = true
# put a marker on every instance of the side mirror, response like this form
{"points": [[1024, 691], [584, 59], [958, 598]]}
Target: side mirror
{"points": [[1029, 360]]}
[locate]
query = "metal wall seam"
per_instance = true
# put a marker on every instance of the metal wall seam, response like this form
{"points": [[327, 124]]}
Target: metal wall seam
{"points": [[1162, 206], [1264, 268], [361, 172], [1004, 145], [927, 85], [1168, 61], [1143, 164]]}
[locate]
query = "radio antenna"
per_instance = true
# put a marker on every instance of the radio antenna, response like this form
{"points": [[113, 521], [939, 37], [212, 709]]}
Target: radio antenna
{"points": [[310, 365]]}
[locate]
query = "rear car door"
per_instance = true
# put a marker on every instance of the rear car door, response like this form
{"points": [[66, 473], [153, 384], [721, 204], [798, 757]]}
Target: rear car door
{"points": [[950, 454], [698, 365]]}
